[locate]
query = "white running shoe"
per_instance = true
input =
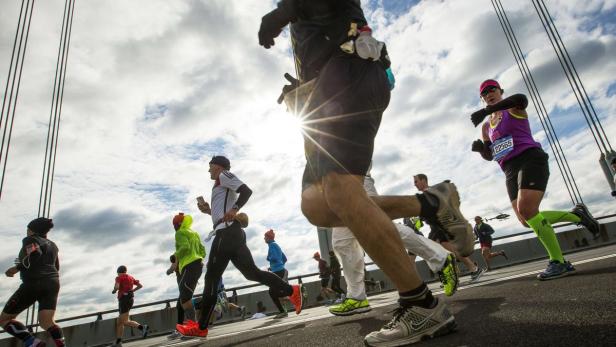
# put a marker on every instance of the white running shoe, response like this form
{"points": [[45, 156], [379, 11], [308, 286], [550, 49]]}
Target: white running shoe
{"points": [[411, 325], [175, 335]]}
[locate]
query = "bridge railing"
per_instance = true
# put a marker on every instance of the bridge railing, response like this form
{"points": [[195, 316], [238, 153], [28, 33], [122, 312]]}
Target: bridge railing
{"points": [[99, 315]]}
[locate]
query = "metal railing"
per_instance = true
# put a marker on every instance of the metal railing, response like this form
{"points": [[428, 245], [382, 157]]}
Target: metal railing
{"points": [[299, 278]]}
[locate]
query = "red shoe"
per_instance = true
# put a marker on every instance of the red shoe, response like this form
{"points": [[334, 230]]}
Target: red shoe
{"points": [[190, 322], [191, 330], [296, 298]]}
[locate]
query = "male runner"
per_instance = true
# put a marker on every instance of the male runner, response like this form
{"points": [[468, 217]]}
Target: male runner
{"points": [[38, 265], [337, 57], [126, 285], [229, 194], [277, 260]]}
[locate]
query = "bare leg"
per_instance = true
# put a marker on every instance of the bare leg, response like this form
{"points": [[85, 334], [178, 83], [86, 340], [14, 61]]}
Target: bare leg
{"points": [[314, 206], [372, 227], [485, 252], [470, 265]]}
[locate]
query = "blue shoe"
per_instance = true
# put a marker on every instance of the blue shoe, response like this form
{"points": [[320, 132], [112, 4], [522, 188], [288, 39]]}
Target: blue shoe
{"points": [[570, 267], [554, 270]]}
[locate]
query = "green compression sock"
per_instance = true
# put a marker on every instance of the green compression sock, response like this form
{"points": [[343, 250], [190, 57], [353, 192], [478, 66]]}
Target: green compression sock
{"points": [[560, 216], [541, 226]]}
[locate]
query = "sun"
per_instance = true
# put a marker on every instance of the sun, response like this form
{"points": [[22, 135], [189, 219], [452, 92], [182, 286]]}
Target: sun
{"points": [[282, 134]]}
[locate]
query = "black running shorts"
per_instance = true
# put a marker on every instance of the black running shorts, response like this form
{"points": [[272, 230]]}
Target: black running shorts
{"points": [[529, 170], [43, 291], [188, 279], [343, 117], [125, 302]]}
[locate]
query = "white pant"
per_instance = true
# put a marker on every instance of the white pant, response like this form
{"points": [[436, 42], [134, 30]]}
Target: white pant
{"points": [[351, 255]]}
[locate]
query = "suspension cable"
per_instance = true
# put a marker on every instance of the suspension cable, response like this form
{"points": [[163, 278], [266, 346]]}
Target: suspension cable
{"points": [[14, 80], [573, 77]]}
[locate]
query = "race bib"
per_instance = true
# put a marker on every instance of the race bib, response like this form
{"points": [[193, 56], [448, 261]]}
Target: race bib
{"points": [[502, 147]]}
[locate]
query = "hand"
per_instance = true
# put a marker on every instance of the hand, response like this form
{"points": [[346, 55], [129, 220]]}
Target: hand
{"points": [[478, 116], [614, 193], [114, 291], [271, 26], [11, 271], [205, 208], [477, 146], [288, 87], [230, 215]]}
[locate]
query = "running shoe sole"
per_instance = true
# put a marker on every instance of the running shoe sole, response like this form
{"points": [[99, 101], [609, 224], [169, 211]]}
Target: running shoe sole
{"points": [[451, 218], [446, 327], [587, 220], [352, 312]]}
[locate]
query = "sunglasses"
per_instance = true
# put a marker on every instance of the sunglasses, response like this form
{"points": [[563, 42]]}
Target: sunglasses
{"points": [[488, 90]]}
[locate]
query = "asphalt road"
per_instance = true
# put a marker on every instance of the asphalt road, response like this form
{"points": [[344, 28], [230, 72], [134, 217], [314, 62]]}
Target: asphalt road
{"points": [[507, 307]]}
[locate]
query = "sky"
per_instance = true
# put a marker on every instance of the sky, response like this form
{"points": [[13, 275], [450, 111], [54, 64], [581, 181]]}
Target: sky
{"points": [[154, 88]]}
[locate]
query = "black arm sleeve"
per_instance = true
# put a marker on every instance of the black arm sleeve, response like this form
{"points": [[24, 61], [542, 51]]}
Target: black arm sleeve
{"points": [[517, 101], [245, 194]]}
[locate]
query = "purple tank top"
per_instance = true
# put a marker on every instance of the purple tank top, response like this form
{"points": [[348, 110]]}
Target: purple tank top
{"points": [[510, 137]]}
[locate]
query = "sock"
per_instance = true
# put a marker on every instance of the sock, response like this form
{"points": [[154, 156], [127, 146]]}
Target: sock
{"points": [[56, 334], [560, 216], [546, 235], [196, 302], [19, 331], [189, 313], [420, 296], [429, 207]]}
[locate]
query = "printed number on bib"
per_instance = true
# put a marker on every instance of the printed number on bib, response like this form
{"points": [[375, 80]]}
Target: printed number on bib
{"points": [[502, 147]]}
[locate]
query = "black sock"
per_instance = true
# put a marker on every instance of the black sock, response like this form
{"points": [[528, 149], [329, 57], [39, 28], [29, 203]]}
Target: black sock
{"points": [[56, 334], [420, 296], [17, 330], [429, 207]]}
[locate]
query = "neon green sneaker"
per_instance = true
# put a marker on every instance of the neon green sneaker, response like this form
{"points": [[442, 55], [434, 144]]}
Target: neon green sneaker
{"points": [[449, 275], [350, 306]]}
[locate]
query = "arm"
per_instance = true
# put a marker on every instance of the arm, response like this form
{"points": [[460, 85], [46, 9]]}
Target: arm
{"points": [[138, 286], [116, 287], [516, 104], [182, 246], [245, 194], [483, 147]]}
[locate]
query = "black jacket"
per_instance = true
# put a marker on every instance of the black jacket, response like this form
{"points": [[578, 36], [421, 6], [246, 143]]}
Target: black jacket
{"points": [[38, 259]]}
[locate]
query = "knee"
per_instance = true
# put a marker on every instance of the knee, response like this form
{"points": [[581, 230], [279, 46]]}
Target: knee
{"points": [[527, 212]]}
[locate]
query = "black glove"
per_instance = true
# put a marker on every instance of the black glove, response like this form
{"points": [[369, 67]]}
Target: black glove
{"points": [[478, 116], [271, 26], [614, 193], [288, 87], [477, 146]]}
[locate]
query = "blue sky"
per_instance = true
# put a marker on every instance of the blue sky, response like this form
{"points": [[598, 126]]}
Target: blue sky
{"points": [[153, 91]]}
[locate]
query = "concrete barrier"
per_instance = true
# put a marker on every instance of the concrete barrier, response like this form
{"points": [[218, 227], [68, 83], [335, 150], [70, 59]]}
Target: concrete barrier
{"points": [[527, 248]]}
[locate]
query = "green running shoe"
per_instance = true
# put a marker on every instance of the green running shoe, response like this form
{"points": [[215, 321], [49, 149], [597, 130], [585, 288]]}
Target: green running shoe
{"points": [[449, 275], [350, 306]]}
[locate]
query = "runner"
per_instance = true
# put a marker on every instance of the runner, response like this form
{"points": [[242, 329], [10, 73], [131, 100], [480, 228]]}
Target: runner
{"points": [[336, 271], [614, 170], [484, 232], [38, 265], [337, 57], [190, 253], [437, 234], [507, 139], [126, 285], [229, 194], [277, 260], [351, 255], [325, 274]]}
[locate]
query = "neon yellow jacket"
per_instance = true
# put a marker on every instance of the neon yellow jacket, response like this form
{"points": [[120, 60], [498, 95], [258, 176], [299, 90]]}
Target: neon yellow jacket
{"points": [[188, 246]]}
